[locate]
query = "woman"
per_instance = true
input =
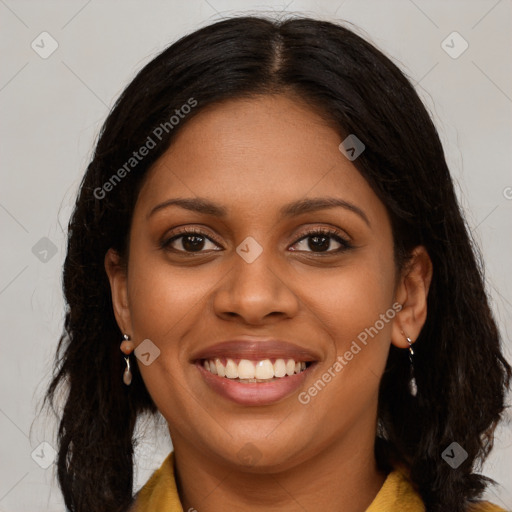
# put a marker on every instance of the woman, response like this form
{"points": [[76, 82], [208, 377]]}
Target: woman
{"points": [[267, 249]]}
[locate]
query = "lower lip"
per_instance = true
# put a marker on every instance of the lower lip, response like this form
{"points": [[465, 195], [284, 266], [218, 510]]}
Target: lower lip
{"points": [[254, 393]]}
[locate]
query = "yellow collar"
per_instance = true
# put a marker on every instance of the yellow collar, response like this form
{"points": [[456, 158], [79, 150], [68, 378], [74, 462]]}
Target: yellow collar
{"points": [[397, 493]]}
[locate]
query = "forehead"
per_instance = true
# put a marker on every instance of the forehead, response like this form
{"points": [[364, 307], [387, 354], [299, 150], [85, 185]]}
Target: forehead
{"points": [[254, 155]]}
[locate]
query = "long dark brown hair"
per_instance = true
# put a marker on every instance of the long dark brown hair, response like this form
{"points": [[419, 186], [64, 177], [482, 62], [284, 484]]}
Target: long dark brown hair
{"points": [[461, 373]]}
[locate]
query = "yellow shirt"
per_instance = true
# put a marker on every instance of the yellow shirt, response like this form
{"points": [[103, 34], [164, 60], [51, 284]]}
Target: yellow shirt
{"points": [[396, 494]]}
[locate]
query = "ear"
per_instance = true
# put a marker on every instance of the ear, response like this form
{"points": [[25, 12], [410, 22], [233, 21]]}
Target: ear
{"points": [[116, 273], [412, 293]]}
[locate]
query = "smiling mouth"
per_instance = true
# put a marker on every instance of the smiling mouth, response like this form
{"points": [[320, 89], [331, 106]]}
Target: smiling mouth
{"points": [[251, 371]]}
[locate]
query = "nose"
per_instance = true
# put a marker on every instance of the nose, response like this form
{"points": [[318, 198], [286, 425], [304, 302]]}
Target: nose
{"points": [[256, 292]]}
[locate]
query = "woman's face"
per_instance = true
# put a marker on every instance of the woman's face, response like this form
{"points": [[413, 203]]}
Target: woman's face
{"points": [[256, 175]]}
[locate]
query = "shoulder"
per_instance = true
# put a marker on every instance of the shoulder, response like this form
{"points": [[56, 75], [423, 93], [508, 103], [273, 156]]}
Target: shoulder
{"points": [[484, 506], [400, 486], [160, 491]]}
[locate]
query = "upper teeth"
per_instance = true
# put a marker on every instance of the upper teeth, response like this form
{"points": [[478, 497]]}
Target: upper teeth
{"points": [[246, 369]]}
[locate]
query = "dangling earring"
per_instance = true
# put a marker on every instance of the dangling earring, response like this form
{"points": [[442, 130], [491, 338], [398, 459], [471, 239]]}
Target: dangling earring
{"points": [[413, 388], [127, 348]]}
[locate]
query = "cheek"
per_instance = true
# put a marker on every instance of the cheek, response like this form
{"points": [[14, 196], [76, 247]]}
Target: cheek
{"points": [[164, 302], [355, 310], [353, 297], [167, 302], [161, 295]]}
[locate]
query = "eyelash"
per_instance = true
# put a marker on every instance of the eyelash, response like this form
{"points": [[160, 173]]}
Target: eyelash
{"points": [[331, 233]]}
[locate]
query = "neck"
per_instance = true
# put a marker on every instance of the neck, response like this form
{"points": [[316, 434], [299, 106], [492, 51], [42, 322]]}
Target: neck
{"points": [[343, 476]]}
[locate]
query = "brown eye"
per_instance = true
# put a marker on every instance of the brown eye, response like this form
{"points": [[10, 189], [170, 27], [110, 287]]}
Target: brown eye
{"points": [[189, 242], [322, 241]]}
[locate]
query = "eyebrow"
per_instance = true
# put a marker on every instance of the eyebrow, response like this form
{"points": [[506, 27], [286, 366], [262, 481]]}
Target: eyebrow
{"points": [[207, 207]]}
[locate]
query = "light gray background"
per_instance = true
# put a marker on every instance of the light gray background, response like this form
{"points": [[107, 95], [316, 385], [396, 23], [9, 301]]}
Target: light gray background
{"points": [[51, 111]]}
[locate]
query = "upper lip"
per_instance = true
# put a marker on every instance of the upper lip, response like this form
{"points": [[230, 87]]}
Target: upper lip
{"points": [[256, 349]]}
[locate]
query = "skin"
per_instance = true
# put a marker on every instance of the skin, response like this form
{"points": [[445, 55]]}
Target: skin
{"points": [[317, 456]]}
